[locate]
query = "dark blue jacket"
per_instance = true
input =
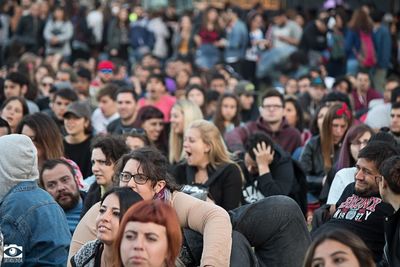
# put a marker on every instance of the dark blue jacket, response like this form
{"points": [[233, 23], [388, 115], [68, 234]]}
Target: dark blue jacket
{"points": [[383, 46]]}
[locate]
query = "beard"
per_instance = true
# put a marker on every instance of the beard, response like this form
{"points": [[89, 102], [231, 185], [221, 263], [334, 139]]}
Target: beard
{"points": [[73, 200], [366, 191]]}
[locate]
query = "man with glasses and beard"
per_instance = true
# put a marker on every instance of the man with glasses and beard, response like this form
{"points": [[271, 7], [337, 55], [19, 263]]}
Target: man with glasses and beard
{"points": [[58, 178], [360, 209]]}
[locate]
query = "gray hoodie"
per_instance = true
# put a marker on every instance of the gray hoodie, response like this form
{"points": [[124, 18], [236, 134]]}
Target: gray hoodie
{"points": [[18, 162]]}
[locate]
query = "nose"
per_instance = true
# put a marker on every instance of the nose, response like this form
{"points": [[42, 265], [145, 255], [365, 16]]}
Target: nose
{"points": [[138, 243], [132, 184], [60, 187], [358, 175], [95, 167]]}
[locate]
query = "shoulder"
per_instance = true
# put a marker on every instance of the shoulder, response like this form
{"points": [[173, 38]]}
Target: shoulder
{"points": [[86, 253]]}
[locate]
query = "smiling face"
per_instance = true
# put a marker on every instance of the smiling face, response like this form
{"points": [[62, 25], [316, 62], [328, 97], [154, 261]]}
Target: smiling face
{"points": [[333, 253], [195, 148], [177, 121], [13, 113], [107, 221], [153, 128], [365, 175], [146, 190], [75, 126], [144, 244], [155, 89], [102, 168]]}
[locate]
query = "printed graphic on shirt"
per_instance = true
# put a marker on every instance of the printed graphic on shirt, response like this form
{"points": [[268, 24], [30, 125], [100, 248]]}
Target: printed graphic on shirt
{"points": [[357, 208], [13, 253]]}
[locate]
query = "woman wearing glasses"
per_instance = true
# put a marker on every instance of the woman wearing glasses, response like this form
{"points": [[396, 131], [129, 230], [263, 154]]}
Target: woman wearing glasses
{"points": [[207, 228], [145, 171]]}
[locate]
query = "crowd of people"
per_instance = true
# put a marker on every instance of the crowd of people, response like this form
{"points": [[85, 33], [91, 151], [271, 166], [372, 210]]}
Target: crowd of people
{"points": [[213, 137]]}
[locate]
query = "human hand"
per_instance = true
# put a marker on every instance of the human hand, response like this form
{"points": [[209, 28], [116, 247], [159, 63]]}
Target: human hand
{"points": [[264, 156]]}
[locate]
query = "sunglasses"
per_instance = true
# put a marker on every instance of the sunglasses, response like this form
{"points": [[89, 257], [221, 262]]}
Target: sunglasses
{"points": [[47, 84], [106, 71]]}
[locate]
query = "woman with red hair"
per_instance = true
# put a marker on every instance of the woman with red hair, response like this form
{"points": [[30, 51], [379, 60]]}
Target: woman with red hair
{"points": [[150, 234]]}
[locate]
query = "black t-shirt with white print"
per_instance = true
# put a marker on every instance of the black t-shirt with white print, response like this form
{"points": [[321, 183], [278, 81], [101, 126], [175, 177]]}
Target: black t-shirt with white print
{"points": [[363, 216]]}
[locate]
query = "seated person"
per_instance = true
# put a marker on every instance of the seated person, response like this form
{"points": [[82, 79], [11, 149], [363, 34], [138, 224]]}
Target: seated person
{"points": [[360, 208], [269, 170], [58, 178]]}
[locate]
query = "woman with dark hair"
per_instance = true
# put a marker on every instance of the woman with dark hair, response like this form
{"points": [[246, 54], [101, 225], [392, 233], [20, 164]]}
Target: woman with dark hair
{"points": [[207, 40], [295, 118], [106, 151], [13, 110], [343, 172], [113, 206], [118, 35], [146, 172], [359, 30], [227, 114], [136, 138], [196, 94], [45, 134], [152, 218], [151, 120], [58, 33], [183, 39], [338, 247], [321, 152]]}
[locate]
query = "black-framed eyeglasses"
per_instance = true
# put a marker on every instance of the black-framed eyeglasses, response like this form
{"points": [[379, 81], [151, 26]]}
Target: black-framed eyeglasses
{"points": [[139, 178]]}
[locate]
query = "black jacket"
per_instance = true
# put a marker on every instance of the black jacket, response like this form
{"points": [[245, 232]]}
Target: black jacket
{"points": [[392, 235], [224, 183], [92, 197], [282, 178]]}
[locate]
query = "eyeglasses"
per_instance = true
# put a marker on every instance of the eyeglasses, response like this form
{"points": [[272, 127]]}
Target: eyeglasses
{"points": [[139, 178], [272, 106], [47, 84], [106, 71]]}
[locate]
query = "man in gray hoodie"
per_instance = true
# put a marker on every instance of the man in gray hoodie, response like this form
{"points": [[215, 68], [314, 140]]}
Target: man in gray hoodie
{"points": [[34, 226]]}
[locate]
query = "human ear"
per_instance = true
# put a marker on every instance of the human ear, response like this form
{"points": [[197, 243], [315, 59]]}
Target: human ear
{"points": [[159, 186]]}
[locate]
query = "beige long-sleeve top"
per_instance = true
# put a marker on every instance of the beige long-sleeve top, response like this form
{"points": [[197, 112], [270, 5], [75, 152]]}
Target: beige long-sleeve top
{"points": [[210, 220]]}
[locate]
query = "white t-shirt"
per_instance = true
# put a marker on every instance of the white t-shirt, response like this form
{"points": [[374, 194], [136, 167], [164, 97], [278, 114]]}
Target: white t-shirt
{"points": [[343, 178]]}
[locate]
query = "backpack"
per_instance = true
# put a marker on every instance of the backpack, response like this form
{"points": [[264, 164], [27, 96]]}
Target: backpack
{"points": [[141, 37], [367, 55]]}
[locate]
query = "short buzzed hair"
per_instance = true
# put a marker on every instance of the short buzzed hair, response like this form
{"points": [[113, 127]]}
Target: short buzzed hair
{"points": [[390, 170]]}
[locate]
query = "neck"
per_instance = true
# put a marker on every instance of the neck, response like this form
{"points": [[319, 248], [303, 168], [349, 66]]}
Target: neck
{"points": [[394, 201], [107, 256], [275, 125], [77, 138], [129, 121], [202, 166], [362, 92]]}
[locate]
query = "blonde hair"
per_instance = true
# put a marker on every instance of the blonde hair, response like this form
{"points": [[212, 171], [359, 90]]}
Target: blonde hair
{"points": [[211, 136], [190, 112]]}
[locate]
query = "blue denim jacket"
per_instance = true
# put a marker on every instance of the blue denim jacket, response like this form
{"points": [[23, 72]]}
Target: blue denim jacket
{"points": [[33, 221]]}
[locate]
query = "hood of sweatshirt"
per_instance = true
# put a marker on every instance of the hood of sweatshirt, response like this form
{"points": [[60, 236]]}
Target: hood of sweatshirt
{"points": [[18, 162]]}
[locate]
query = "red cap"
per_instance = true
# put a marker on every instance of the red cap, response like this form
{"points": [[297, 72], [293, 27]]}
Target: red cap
{"points": [[105, 64]]}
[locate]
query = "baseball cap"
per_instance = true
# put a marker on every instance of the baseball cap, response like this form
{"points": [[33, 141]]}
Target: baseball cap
{"points": [[318, 82], [105, 65], [245, 88], [79, 109]]}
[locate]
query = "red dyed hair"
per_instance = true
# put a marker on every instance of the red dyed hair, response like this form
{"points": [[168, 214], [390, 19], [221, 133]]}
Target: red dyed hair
{"points": [[158, 212]]}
